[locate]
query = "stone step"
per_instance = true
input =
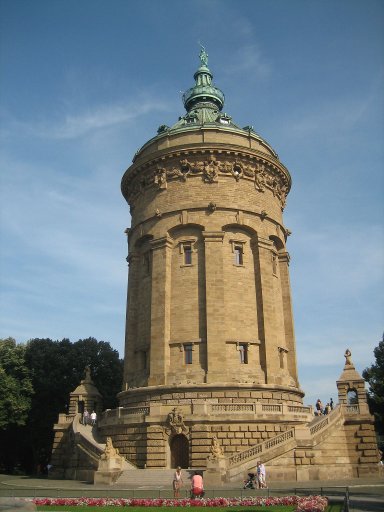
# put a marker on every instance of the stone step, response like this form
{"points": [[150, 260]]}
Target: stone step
{"points": [[158, 478]]}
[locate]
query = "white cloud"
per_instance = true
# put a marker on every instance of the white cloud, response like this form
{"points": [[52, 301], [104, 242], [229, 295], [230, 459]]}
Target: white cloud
{"points": [[249, 59], [88, 121]]}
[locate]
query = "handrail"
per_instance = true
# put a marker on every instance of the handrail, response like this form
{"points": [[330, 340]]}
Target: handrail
{"points": [[328, 420], [261, 448]]}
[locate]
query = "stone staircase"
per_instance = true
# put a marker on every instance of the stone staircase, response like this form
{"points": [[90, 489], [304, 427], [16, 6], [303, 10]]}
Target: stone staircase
{"points": [[237, 465], [151, 478], [310, 435]]}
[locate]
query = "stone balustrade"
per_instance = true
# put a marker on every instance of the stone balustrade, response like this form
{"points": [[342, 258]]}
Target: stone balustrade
{"points": [[258, 409], [234, 410]]}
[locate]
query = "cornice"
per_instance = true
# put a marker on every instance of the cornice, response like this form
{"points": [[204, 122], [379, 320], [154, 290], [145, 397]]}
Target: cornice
{"points": [[209, 164]]}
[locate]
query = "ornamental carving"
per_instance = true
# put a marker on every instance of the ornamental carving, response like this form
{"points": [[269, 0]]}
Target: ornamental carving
{"points": [[211, 170], [161, 177], [175, 421], [264, 174], [237, 170]]}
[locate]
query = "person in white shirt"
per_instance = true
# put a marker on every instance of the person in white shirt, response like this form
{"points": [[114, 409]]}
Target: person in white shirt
{"points": [[260, 469], [93, 418]]}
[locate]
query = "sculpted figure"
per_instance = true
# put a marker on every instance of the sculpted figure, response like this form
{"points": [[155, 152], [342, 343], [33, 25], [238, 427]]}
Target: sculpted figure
{"points": [[203, 56], [216, 450], [347, 356], [109, 451], [161, 177]]}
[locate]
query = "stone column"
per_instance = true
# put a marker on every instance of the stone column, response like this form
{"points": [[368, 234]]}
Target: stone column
{"points": [[160, 310], [214, 289], [131, 318], [288, 314], [267, 320]]}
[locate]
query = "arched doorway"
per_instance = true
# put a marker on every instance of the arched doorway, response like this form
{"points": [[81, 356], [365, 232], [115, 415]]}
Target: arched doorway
{"points": [[179, 451]]}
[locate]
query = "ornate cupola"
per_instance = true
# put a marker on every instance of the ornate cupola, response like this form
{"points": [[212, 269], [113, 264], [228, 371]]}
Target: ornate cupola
{"points": [[204, 94]]}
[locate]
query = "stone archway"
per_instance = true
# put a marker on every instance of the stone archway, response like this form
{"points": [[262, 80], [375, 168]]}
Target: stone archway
{"points": [[179, 451]]}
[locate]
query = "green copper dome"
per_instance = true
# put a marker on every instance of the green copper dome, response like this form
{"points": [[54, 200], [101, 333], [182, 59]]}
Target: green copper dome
{"points": [[203, 102], [204, 105], [203, 91]]}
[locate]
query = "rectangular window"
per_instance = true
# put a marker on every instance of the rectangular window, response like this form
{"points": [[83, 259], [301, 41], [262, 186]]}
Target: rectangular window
{"points": [[238, 252], [243, 351], [188, 348], [187, 249]]}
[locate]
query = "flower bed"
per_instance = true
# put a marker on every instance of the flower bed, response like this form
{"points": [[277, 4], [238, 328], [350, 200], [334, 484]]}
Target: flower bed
{"points": [[303, 504]]}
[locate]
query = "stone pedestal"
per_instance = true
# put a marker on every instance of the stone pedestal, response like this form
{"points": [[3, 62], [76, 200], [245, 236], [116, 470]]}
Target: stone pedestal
{"points": [[108, 471], [110, 465], [216, 471]]}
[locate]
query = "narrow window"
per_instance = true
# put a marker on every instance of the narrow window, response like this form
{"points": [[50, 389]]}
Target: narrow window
{"points": [[187, 254], [188, 348], [238, 252], [274, 263], [146, 263], [243, 351]]}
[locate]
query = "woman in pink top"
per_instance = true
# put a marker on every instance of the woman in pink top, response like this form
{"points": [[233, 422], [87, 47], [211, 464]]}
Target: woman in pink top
{"points": [[197, 487]]}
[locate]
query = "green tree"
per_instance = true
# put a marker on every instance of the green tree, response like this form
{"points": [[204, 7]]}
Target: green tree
{"points": [[15, 385], [57, 368], [374, 375], [15, 402]]}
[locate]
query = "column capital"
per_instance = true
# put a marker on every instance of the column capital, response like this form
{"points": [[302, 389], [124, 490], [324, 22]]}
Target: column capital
{"points": [[264, 243], [160, 243], [213, 236], [284, 257]]}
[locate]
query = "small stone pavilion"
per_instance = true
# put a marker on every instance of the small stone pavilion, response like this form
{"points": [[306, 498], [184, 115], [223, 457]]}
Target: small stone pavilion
{"points": [[210, 377]]}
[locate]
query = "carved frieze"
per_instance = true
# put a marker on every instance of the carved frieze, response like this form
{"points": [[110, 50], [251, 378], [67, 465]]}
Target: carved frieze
{"points": [[264, 174]]}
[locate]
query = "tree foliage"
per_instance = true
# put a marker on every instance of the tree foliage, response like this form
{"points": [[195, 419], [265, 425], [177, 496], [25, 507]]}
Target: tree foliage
{"points": [[15, 385], [55, 369], [374, 375]]}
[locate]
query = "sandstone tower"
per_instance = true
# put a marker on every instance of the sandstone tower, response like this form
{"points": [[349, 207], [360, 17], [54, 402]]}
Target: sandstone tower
{"points": [[210, 377], [209, 315]]}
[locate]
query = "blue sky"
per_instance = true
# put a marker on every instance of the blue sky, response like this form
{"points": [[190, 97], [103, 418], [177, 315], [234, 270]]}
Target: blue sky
{"points": [[85, 83]]}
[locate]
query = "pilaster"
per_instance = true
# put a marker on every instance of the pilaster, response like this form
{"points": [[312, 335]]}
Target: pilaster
{"points": [[131, 318], [288, 314], [267, 317], [214, 286], [160, 310]]}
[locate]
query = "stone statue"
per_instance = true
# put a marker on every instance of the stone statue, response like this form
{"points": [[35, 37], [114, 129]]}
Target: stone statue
{"points": [[216, 451], [347, 355], [203, 56], [110, 451]]}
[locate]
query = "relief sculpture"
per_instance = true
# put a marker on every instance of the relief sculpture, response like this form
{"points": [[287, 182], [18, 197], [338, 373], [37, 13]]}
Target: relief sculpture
{"points": [[264, 176]]}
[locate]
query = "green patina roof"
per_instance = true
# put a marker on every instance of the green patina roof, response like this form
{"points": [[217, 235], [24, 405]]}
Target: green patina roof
{"points": [[204, 103]]}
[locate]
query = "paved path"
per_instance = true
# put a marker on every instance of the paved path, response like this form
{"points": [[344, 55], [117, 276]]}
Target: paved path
{"points": [[366, 495]]}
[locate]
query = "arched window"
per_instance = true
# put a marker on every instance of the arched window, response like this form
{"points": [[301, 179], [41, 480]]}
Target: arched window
{"points": [[352, 398]]}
